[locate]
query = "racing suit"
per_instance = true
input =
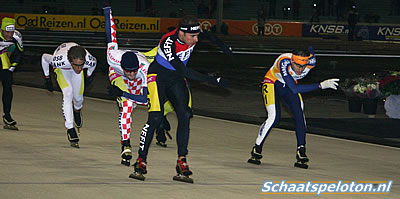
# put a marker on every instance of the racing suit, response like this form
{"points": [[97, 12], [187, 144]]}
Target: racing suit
{"points": [[11, 55], [71, 84], [281, 81], [166, 80]]}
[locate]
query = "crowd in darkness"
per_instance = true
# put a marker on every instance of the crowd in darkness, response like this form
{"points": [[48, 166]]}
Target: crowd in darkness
{"points": [[293, 10]]}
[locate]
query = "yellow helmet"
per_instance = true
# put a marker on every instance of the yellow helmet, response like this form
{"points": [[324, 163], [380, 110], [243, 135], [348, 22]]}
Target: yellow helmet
{"points": [[8, 24]]}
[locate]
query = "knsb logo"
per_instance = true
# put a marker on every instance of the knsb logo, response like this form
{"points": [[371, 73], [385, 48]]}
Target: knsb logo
{"points": [[205, 25], [270, 29]]}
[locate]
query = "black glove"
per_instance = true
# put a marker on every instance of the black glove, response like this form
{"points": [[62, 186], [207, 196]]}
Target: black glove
{"points": [[227, 50], [48, 84], [114, 91], [222, 82], [106, 3], [88, 81]]}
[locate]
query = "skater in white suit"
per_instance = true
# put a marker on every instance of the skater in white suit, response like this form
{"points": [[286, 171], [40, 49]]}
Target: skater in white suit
{"points": [[68, 61]]}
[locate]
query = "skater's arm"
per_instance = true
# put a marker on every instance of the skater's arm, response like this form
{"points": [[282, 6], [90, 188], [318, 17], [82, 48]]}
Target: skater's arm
{"points": [[107, 26], [290, 82], [91, 63], [142, 99], [16, 57], [213, 80], [115, 91]]}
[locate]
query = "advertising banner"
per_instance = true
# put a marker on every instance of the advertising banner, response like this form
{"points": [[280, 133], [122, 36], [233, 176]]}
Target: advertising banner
{"points": [[2, 15], [85, 23], [362, 32], [236, 27]]}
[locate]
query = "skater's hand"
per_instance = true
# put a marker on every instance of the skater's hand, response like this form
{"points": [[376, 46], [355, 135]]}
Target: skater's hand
{"points": [[329, 83], [106, 3], [88, 80], [114, 91], [49, 84]]}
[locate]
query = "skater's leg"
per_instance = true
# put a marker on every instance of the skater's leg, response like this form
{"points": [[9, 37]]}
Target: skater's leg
{"points": [[295, 104], [7, 81], [78, 88], [271, 102], [125, 129], [155, 98], [64, 81], [178, 94]]}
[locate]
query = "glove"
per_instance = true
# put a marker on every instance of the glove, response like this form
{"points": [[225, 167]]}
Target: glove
{"points": [[106, 3], [114, 91], [11, 69], [222, 82], [48, 84], [227, 50], [88, 80], [311, 49], [329, 83]]}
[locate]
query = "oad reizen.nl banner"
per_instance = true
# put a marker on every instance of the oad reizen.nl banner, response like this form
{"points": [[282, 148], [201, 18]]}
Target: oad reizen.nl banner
{"points": [[85, 23], [326, 187]]}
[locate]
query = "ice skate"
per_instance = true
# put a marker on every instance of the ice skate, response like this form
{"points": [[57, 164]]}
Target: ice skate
{"points": [[140, 169], [301, 157], [126, 155], [255, 156], [78, 122], [9, 123], [73, 137], [182, 168]]}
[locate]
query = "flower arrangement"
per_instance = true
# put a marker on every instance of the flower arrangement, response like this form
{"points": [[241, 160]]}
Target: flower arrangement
{"points": [[362, 87], [390, 84]]}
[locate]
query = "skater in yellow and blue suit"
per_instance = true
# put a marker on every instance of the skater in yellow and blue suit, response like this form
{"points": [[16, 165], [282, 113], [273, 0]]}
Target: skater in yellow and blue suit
{"points": [[281, 81]]}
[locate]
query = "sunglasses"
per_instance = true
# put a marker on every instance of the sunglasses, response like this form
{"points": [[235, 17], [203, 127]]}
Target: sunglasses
{"points": [[78, 65], [131, 71], [299, 65]]}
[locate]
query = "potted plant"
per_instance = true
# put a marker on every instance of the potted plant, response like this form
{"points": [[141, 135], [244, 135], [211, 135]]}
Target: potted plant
{"points": [[389, 86], [362, 90]]}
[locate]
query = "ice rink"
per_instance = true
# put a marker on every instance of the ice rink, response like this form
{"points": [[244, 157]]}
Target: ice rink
{"points": [[37, 161]]}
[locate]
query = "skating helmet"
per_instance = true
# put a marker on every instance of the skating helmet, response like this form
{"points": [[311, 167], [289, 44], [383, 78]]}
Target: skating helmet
{"points": [[8, 24], [129, 61]]}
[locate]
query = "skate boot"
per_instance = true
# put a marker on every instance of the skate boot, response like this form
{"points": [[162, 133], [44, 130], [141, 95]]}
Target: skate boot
{"points": [[301, 157], [126, 154], [182, 168], [73, 137], [78, 119], [255, 155], [9, 123], [140, 169]]}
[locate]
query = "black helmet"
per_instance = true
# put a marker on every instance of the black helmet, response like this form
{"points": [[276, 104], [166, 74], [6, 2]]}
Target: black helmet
{"points": [[129, 61]]}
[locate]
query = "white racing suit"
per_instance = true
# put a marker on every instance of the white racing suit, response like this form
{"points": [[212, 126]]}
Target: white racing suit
{"points": [[71, 84]]}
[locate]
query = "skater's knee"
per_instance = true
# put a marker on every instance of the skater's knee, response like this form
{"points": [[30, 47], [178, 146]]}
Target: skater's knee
{"points": [[67, 93], [185, 114]]}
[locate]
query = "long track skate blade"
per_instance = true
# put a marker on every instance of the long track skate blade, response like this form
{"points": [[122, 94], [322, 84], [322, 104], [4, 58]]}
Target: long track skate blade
{"points": [[75, 145], [301, 165], [10, 127], [182, 178], [252, 161], [137, 176]]}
